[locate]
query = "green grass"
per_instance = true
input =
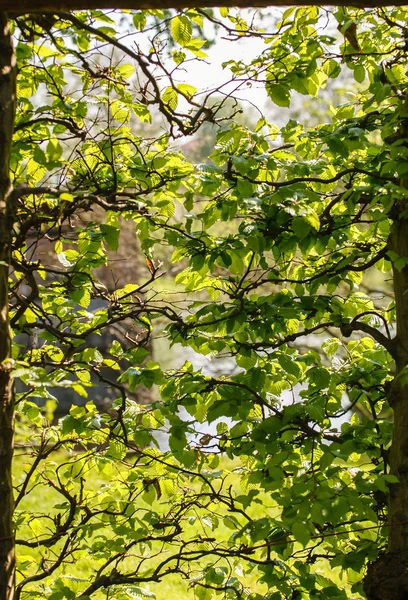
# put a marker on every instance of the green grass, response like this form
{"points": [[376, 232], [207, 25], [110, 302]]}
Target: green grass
{"points": [[41, 500]]}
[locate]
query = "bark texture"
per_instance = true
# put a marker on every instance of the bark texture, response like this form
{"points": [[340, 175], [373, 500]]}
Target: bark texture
{"points": [[398, 502], [28, 6], [7, 104], [387, 578]]}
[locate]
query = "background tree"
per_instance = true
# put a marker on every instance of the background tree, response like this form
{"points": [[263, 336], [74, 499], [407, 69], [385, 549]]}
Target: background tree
{"points": [[281, 500]]}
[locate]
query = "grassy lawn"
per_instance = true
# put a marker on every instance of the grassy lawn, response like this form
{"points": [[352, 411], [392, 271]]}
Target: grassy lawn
{"points": [[41, 500]]}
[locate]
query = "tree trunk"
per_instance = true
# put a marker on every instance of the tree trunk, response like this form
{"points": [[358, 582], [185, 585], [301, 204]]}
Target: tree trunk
{"points": [[7, 105], [387, 578]]}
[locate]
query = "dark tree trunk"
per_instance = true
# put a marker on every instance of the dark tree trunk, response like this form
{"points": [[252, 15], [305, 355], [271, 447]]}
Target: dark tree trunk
{"points": [[387, 578], [7, 105]]}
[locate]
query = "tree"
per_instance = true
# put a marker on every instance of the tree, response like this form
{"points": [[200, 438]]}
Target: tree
{"points": [[23, 6], [277, 240]]}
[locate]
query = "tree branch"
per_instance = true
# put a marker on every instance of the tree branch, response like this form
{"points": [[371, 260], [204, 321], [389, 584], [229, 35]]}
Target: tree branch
{"points": [[378, 336], [16, 7]]}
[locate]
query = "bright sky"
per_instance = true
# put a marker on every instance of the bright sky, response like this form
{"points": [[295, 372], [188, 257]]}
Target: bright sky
{"points": [[210, 74]]}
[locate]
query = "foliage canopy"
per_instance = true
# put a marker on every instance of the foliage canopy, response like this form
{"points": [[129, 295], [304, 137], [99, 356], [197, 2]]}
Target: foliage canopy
{"points": [[274, 240]]}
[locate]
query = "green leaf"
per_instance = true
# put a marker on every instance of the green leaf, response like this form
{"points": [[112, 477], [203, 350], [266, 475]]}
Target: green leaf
{"points": [[301, 227], [139, 20], [289, 365], [39, 156], [301, 533], [245, 249], [181, 29], [120, 111], [82, 297], [166, 207], [170, 97], [187, 89], [330, 346], [359, 73], [246, 359], [142, 113], [332, 68], [91, 355], [134, 592], [126, 71], [54, 150], [279, 94], [111, 236]]}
